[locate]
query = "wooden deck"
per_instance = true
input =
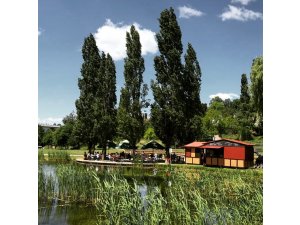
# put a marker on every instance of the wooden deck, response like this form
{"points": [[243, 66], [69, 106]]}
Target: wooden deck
{"points": [[112, 163]]}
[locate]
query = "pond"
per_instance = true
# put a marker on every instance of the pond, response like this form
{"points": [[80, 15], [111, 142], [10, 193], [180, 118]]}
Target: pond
{"points": [[84, 194], [59, 212]]}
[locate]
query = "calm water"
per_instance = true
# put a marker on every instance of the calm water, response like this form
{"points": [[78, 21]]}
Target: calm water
{"points": [[58, 213]]}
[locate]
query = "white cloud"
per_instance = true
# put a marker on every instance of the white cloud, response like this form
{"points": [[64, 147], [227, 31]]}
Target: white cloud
{"points": [[240, 14], [111, 38], [187, 12], [50, 120], [40, 31], [225, 96], [243, 2]]}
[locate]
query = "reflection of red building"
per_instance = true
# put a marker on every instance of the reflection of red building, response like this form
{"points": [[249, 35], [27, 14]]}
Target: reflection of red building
{"points": [[224, 152]]}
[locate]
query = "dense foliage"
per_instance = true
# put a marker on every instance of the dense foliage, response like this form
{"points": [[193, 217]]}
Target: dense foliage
{"points": [[96, 105], [176, 111], [239, 117], [41, 133], [166, 111], [130, 119], [191, 127], [256, 88]]}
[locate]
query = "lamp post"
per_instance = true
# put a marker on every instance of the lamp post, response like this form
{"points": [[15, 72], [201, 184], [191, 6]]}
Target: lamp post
{"points": [[169, 181]]}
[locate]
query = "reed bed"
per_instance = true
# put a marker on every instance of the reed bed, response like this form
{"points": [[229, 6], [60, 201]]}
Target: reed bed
{"points": [[54, 156], [47, 186], [41, 156], [184, 196]]}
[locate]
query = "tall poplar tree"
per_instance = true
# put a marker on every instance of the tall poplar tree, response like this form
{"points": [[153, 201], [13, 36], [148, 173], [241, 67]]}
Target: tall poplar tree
{"points": [[96, 111], [244, 97], [191, 83], [106, 101], [88, 85], [130, 119], [245, 114], [167, 110]]}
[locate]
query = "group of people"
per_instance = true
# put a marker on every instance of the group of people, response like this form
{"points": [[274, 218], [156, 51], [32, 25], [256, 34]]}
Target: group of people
{"points": [[91, 156], [176, 158], [113, 156], [152, 157]]}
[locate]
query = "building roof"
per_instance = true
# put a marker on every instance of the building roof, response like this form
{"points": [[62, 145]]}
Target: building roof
{"points": [[195, 144], [153, 144], [239, 142]]}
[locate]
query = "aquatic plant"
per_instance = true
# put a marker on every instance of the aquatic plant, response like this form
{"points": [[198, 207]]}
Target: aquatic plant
{"points": [[181, 195]]}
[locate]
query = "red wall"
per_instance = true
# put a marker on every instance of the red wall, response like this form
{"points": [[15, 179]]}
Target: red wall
{"points": [[234, 152]]}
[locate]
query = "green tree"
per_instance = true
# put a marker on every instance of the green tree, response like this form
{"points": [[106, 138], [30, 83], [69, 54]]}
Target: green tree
{"points": [[89, 84], [130, 119], [213, 120], [150, 134], [96, 111], [244, 97], [256, 90], [167, 111], [245, 115], [106, 102], [191, 83], [76, 137], [41, 133], [222, 117], [63, 136], [48, 138], [60, 137]]}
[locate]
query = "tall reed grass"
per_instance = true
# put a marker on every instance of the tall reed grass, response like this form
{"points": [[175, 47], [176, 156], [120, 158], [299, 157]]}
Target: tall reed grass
{"points": [[185, 196], [55, 156]]}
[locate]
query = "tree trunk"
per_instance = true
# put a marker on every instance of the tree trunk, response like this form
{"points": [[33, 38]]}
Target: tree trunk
{"points": [[103, 152], [167, 149], [90, 147]]}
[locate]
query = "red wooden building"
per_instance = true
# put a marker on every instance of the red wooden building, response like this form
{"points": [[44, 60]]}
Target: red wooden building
{"points": [[193, 154], [224, 153]]}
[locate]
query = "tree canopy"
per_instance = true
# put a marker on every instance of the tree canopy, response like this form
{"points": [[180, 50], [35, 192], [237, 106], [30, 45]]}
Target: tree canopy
{"points": [[96, 104], [130, 119], [167, 111], [177, 110], [256, 89]]}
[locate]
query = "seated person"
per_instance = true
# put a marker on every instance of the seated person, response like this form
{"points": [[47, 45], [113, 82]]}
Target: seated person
{"points": [[85, 156]]}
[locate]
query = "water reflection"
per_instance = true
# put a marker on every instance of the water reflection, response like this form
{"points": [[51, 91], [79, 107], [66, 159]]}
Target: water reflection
{"points": [[67, 215], [57, 212]]}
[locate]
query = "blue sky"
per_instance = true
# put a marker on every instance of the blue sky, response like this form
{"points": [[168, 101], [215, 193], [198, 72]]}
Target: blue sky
{"points": [[226, 34]]}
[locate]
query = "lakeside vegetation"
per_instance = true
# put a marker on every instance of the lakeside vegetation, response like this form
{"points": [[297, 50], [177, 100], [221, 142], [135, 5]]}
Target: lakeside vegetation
{"points": [[186, 196]]}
